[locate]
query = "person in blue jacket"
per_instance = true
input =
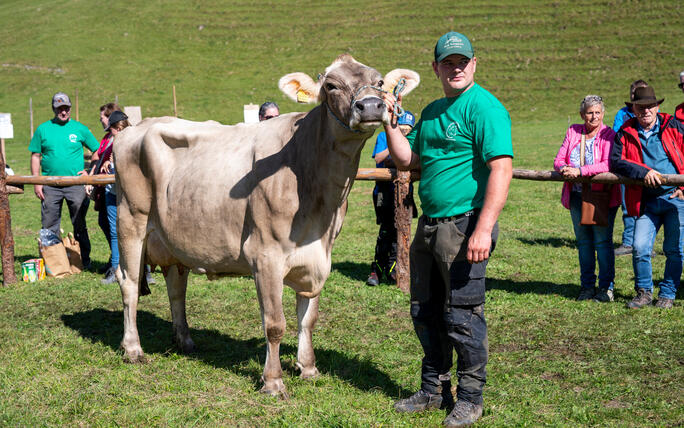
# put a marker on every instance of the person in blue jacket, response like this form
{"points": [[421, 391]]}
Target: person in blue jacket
{"points": [[383, 201]]}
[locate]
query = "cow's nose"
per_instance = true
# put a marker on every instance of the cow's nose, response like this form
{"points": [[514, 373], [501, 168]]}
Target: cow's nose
{"points": [[370, 109]]}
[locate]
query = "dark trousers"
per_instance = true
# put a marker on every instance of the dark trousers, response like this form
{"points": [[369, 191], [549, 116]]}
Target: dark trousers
{"points": [[386, 248], [386, 243], [77, 202], [447, 306]]}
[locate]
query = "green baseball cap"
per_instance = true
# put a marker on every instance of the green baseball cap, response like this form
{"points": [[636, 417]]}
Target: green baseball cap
{"points": [[453, 43]]}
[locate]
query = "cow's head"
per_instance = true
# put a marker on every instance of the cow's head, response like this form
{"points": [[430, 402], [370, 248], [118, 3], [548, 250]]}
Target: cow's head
{"points": [[351, 91]]}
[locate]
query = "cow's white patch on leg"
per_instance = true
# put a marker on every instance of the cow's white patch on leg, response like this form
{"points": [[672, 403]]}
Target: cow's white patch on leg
{"points": [[176, 286], [307, 315]]}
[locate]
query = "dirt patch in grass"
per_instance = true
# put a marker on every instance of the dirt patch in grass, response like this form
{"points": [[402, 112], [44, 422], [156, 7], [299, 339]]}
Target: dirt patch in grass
{"points": [[615, 404]]}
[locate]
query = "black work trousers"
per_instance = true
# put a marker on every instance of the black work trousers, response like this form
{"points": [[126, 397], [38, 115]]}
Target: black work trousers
{"points": [[447, 306]]}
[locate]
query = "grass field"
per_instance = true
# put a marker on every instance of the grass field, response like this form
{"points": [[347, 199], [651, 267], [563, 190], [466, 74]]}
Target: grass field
{"points": [[553, 361]]}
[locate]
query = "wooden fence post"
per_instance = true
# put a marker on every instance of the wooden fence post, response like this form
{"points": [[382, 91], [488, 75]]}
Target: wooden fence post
{"points": [[403, 213], [6, 239], [175, 111]]}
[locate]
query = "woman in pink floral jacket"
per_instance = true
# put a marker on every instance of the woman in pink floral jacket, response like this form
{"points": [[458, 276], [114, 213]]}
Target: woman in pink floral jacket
{"points": [[593, 242]]}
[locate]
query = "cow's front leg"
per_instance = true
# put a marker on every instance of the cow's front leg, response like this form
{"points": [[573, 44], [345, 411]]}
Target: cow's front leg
{"points": [[131, 236], [307, 315], [176, 286], [269, 283]]}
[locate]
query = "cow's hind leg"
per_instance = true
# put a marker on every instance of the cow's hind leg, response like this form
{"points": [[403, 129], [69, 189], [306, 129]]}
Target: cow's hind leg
{"points": [[307, 315], [131, 241], [269, 283], [176, 286]]}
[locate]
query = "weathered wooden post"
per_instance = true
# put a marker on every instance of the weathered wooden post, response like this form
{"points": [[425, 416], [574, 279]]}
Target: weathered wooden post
{"points": [[403, 213], [175, 110], [6, 239]]}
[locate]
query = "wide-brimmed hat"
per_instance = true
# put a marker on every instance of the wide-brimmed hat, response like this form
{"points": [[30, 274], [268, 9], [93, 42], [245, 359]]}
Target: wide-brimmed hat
{"points": [[644, 96]]}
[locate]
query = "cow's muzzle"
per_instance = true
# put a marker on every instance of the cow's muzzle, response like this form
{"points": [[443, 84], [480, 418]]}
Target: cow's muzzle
{"points": [[368, 113]]}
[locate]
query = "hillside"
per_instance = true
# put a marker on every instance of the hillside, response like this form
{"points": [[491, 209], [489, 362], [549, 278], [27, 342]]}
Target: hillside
{"points": [[538, 57]]}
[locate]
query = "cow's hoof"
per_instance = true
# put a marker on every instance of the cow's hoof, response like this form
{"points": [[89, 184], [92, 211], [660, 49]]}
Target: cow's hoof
{"points": [[134, 356], [308, 372], [275, 388]]}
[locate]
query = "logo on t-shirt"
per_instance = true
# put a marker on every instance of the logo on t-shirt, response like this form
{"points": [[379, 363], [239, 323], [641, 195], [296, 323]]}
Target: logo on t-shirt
{"points": [[73, 138], [452, 131]]}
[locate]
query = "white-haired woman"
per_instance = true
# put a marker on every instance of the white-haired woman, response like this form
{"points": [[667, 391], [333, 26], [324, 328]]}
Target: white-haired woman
{"points": [[593, 242]]}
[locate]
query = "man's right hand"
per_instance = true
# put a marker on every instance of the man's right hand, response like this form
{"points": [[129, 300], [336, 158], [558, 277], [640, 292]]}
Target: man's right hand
{"points": [[390, 100], [38, 190], [653, 179]]}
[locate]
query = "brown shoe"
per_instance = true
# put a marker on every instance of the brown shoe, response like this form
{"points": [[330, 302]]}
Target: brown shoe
{"points": [[643, 298], [663, 303]]}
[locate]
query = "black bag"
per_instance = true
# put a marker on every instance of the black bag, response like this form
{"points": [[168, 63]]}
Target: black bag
{"points": [[98, 198]]}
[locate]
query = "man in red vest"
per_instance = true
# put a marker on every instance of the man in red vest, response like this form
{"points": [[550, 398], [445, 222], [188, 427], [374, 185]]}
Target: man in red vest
{"points": [[648, 145]]}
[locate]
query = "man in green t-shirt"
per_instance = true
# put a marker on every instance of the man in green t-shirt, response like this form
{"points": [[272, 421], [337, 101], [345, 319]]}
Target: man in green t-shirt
{"points": [[57, 149], [462, 145]]}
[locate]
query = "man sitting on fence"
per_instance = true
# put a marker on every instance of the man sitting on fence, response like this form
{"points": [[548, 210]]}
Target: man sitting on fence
{"points": [[647, 146], [57, 149]]}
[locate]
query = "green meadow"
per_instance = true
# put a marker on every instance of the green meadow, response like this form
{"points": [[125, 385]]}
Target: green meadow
{"points": [[553, 361]]}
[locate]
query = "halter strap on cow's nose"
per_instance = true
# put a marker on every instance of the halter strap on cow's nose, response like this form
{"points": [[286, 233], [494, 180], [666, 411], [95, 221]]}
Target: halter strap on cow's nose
{"points": [[398, 110]]}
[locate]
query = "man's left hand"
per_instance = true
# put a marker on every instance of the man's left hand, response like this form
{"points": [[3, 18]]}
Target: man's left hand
{"points": [[677, 194], [478, 247]]}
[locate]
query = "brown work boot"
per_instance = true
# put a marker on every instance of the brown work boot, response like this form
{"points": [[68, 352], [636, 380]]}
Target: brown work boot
{"points": [[643, 298], [420, 401], [664, 303], [464, 413]]}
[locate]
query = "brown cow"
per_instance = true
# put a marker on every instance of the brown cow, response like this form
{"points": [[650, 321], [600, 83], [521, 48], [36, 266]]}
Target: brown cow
{"points": [[266, 199]]}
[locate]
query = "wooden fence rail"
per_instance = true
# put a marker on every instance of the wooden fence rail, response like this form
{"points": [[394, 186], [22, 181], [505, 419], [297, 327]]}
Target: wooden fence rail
{"points": [[402, 217]]}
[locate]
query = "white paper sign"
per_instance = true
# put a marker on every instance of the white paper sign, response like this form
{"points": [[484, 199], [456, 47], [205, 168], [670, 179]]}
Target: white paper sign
{"points": [[6, 128], [134, 114], [251, 113]]}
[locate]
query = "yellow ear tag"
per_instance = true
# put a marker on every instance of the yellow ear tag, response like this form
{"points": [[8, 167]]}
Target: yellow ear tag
{"points": [[302, 96]]}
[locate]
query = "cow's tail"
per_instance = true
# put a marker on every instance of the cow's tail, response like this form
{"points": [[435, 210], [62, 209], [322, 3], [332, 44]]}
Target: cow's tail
{"points": [[143, 286]]}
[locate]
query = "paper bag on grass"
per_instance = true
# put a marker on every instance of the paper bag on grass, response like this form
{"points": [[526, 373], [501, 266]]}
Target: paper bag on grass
{"points": [[56, 260], [73, 250]]}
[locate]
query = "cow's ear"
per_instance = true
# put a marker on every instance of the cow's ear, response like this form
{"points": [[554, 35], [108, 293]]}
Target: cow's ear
{"points": [[393, 77], [300, 88]]}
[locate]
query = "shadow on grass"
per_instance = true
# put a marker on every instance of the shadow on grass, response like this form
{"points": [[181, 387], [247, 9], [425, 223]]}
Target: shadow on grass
{"points": [[223, 351], [569, 291], [537, 287], [550, 242], [353, 270]]}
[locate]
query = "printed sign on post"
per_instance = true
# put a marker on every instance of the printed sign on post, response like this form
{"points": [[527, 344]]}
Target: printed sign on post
{"points": [[6, 128], [134, 114], [251, 113]]}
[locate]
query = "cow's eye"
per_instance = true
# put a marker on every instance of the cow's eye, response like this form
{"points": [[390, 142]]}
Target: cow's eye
{"points": [[330, 86], [381, 84]]}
